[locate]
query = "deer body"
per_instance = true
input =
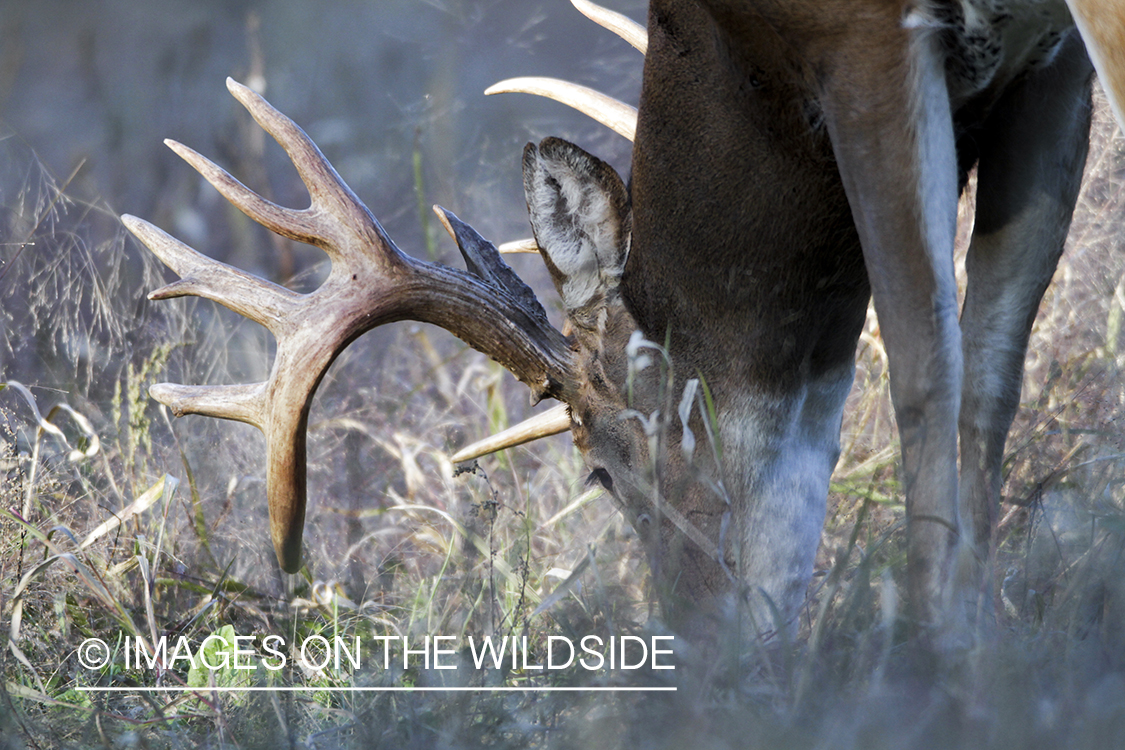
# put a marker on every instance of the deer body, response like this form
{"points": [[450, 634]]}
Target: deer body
{"points": [[781, 149], [792, 159]]}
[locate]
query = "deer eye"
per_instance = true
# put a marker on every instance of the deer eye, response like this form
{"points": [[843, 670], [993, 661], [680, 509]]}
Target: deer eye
{"points": [[602, 477]]}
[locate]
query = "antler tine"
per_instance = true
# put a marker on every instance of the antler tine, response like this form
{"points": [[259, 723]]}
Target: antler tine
{"points": [[551, 422], [625, 27], [327, 190], [371, 283], [527, 245], [288, 222], [200, 276], [615, 115], [242, 403]]}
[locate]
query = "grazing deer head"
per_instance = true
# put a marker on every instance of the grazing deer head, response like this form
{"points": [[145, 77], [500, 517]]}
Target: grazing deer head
{"points": [[791, 160]]}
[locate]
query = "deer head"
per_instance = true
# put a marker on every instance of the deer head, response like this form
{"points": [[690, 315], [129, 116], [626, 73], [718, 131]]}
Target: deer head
{"points": [[634, 423]]}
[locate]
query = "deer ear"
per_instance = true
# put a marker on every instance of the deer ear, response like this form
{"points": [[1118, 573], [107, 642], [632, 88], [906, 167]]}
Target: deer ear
{"points": [[579, 212]]}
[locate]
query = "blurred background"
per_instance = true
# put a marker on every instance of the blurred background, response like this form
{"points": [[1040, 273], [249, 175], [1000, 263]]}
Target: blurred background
{"points": [[371, 82], [392, 92]]}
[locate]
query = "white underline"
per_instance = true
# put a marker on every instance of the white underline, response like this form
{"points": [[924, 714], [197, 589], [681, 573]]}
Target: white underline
{"points": [[292, 689]]}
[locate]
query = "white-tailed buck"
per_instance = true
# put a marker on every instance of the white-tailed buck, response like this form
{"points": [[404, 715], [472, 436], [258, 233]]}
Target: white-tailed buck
{"points": [[792, 158]]}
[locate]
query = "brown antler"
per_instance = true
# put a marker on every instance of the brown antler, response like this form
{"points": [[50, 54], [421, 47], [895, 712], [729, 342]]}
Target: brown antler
{"points": [[372, 282]]}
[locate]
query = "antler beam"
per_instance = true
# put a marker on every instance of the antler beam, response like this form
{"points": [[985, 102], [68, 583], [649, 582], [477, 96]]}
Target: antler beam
{"points": [[371, 283]]}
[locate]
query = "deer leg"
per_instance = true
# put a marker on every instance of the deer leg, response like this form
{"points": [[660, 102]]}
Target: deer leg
{"points": [[887, 111], [1033, 148]]}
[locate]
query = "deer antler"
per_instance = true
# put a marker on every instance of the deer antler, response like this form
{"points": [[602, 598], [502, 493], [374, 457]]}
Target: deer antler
{"points": [[615, 115], [625, 27], [372, 282]]}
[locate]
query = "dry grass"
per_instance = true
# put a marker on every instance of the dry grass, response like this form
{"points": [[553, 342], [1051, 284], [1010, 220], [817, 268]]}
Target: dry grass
{"points": [[397, 545]]}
